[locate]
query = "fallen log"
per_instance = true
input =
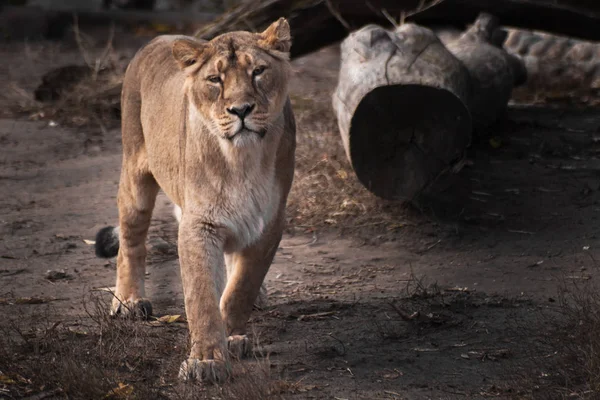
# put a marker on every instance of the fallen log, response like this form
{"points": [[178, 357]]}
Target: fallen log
{"points": [[401, 104], [493, 71], [317, 23], [556, 66], [556, 63]]}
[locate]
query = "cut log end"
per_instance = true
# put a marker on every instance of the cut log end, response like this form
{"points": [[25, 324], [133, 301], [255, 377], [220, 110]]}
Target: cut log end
{"points": [[402, 136]]}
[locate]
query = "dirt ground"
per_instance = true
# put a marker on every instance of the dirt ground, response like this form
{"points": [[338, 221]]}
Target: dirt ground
{"points": [[456, 297]]}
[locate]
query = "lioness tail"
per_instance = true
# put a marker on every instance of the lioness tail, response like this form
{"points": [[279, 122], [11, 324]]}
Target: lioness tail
{"points": [[107, 242]]}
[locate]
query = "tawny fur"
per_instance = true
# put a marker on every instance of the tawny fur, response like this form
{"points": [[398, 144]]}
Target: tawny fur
{"points": [[228, 175]]}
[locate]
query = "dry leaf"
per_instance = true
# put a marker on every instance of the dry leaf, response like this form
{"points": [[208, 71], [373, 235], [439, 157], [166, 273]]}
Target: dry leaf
{"points": [[31, 300], [306, 388], [393, 227], [457, 289], [162, 28], [495, 142], [169, 319], [78, 332], [122, 391], [6, 380], [424, 349]]}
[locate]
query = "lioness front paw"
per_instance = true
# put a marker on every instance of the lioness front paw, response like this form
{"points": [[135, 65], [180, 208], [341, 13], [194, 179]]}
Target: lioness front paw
{"points": [[204, 371], [239, 346], [138, 309]]}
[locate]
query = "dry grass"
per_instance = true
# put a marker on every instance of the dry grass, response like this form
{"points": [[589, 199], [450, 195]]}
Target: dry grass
{"points": [[87, 359], [86, 84], [92, 101], [565, 357], [100, 357], [578, 340]]}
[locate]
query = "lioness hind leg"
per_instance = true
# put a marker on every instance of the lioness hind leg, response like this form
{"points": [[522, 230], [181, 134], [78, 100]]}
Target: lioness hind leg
{"points": [[137, 195], [262, 298], [244, 284]]}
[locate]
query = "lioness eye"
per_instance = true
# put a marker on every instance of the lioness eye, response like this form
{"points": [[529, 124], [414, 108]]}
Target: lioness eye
{"points": [[214, 79], [257, 71]]}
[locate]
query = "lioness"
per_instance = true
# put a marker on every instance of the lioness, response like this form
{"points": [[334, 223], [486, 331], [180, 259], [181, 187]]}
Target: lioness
{"points": [[209, 123]]}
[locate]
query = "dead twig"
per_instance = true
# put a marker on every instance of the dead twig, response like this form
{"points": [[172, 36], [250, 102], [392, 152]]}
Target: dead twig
{"points": [[79, 41], [318, 315], [105, 53], [342, 343], [403, 314], [431, 246], [422, 7], [337, 15]]}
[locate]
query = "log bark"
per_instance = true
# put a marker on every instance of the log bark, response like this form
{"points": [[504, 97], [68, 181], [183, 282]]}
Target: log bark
{"points": [[556, 64], [401, 104], [493, 71], [317, 23]]}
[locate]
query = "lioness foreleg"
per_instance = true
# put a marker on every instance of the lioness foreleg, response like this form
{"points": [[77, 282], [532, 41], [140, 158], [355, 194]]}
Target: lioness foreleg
{"points": [[248, 270], [203, 273], [136, 198]]}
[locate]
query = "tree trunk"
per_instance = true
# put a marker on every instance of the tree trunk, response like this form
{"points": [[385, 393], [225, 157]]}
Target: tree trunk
{"points": [[401, 104], [317, 23]]}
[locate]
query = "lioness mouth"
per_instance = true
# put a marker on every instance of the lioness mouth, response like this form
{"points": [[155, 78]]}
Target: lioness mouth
{"points": [[245, 129]]}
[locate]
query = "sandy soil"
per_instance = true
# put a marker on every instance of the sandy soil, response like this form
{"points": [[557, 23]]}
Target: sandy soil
{"points": [[448, 302]]}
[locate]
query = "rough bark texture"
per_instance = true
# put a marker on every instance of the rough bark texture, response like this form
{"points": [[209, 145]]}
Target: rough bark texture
{"points": [[493, 71], [317, 23], [401, 104], [553, 63], [557, 62]]}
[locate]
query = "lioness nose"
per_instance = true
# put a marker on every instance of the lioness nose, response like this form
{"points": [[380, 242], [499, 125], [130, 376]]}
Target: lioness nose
{"points": [[242, 110]]}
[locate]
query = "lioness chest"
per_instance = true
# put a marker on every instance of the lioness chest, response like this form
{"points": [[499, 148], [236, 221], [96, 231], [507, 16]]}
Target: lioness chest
{"points": [[247, 209], [243, 213]]}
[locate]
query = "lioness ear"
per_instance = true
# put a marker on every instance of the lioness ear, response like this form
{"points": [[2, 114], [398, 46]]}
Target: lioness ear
{"points": [[277, 36], [187, 52]]}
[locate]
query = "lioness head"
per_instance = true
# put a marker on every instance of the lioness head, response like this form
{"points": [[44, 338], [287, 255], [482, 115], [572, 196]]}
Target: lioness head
{"points": [[238, 81]]}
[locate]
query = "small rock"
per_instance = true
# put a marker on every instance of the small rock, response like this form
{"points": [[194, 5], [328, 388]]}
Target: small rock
{"points": [[94, 150], [593, 184], [54, 275], [160, 245]]}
